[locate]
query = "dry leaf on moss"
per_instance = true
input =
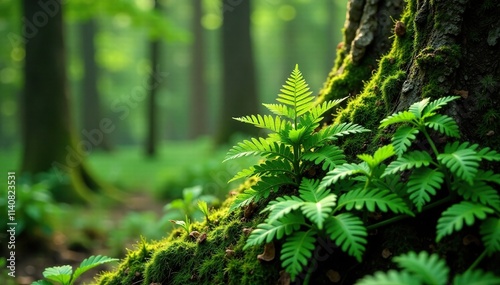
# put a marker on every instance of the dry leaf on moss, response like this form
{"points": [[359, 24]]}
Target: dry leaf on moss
{"points": [[333, 276], [268, 253]]}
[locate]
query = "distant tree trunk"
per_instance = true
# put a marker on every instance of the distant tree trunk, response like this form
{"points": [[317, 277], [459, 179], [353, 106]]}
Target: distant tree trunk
{"points": [[198, 107], [91, 103], [152, 135], [239, 92], [49, 139]]}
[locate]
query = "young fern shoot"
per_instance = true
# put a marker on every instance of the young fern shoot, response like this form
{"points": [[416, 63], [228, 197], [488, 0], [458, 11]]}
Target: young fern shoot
{"points": [[293, 143]]}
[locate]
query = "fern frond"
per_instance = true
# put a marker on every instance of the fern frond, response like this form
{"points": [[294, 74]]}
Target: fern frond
{"points": [[461, 161], [381, 154], [344, 170], [261, 147], [435, 105], [89, 263], [330, 155], [422, 184], [443, 124], [242, 174], [479, 192], [317, 111], [333, 132], [391, 277], [490, 234], [282, 206], [454, 217], [403, 137], [371, 199], [488, 154], [400, 117], [271, 183], [488, 176], [243, 199], [275, 124], [296, 250], [414, 159], [476, 277], [266, 232], [417, 108], [349, 233], [274, 167], [281, 110], [311, 191], [428, 268], [295, 93]]}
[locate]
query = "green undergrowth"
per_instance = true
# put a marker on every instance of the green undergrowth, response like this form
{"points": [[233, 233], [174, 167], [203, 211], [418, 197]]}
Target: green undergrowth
{"points": [[184, 259]]}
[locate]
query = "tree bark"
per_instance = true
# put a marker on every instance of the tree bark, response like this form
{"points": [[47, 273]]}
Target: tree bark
{"points": [[50, 142], [239, 92], [91, 102], [198, 123], [437, 48], [152, 127]]}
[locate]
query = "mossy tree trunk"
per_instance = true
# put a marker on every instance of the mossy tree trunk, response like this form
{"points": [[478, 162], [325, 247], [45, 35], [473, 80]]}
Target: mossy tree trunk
{"points": [[50, 142], [440, 48]]}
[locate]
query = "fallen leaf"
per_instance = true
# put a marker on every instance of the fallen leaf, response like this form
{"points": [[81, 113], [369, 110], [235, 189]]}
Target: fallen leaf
{"points": [[462, 93], [247, 231], [268, 254], [194, 234], [386, 253], [468, 239], [284, 278], [202, 238], [333, 276], [229, 253]]}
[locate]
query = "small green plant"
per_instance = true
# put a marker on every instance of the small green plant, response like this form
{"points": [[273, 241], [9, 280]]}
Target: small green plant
{"points": [[188, 205], [186, 224], [203, 206], [293, 144], [422, 268], [64, 274]]}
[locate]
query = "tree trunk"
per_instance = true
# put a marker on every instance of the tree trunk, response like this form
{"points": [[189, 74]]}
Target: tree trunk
{"points": [[439, 48], [198, 106], [91, 103], [239, 93], [152, 136], [49, 139]]}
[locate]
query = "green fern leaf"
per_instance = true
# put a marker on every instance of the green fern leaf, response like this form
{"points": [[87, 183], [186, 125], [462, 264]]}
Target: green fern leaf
{"points": [[479, 192], [417, 108], [414, 159], [428, 268], [378, 157], [371, 199], [490, 234], [261, 146], [461, 161], [476, 277], [488, 154], [280, 110], [333, 132], [243, 173], [403, 137], [488, 176], [61, 274], [243, 199], [295, 93], [400, 117], [344, 170], [317, 111], [90, 263], [311, 191], [275, 124], [282, 206], [268, 231], [422, 184], [391, 277], [349, 234], [435, 105], [443, 124], [274, 167], [454, 217], [296, 250], [318, 212], [271, 183], [331, 156]]}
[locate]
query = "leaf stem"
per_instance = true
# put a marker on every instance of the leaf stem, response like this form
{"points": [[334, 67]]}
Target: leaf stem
{"points": [[477, 261]]}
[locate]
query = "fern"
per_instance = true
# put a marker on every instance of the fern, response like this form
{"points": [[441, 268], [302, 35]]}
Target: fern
{"points": [[330, 156], [403, 137], [344, 170], [349, 233], [429, 268], [378, 157], [392, 277], [444, 125], [296, 250], [401, 117], [479, 192], [454, 217], [476, 277], [423, 183], [417, 108], [460, 160], [414, 159], [490, 233], [277, 229], [372, 199], [435, 105]]}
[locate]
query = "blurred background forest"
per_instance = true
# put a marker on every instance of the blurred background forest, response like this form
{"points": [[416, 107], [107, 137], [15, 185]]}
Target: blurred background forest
{"points": [[166, 147]]}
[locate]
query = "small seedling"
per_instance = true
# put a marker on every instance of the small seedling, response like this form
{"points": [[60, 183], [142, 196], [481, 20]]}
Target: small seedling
{"points": [[203, 206], [186, 224], [64, 274]]}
